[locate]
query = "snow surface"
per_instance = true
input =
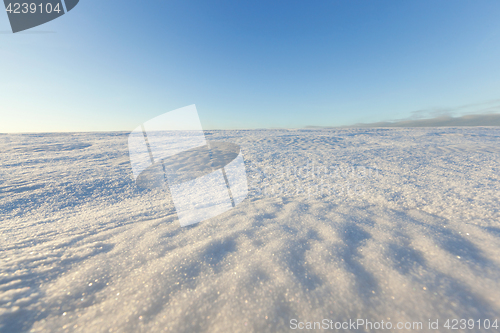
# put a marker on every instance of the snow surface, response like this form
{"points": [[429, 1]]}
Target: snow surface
{"points": [[382, 224]]}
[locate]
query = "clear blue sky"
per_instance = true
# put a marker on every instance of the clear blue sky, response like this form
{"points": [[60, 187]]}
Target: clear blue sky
{"points": [[111, 65]]}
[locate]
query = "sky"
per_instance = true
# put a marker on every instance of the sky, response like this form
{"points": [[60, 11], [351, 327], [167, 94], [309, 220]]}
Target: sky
{"points": [[112, 65]]}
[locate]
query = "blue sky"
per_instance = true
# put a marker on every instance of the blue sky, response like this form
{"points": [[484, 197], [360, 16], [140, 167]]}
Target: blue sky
{"points": [[111, 65]]}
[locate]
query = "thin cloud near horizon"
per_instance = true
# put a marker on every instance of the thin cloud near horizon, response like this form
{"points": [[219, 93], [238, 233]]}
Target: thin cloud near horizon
{"points": [[485, 107], [489, 119]]}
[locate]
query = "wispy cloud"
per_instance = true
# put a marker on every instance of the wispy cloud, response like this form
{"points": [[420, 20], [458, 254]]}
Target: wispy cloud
{"points": [[444, 121], [461, 110], [485, 113]]}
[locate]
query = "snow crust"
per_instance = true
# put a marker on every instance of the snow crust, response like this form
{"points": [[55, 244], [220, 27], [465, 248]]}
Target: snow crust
{"points": [[382, 224]]}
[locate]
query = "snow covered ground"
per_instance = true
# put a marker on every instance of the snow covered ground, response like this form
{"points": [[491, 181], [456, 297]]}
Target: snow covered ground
{"points": [[399, 225]]}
